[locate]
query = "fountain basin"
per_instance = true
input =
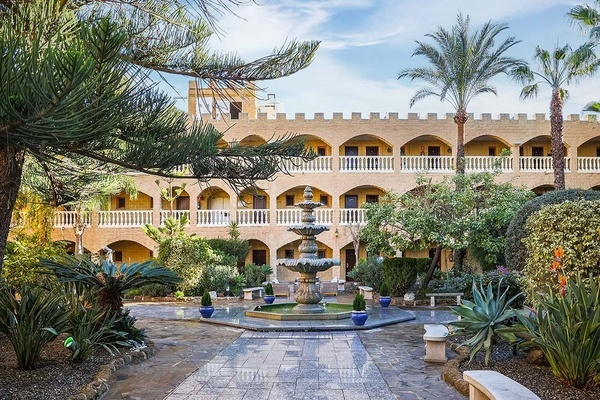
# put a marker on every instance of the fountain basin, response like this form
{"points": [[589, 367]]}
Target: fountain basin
{"points": [[286, 312]]}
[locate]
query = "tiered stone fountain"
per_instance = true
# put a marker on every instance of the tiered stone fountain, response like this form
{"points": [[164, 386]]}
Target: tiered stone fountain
{"points": [[308, 264]]}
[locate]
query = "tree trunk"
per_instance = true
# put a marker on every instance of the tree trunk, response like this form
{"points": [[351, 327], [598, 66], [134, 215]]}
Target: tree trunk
{"points": [[11, 168], [460, 119], [556, 140], [432, 266]]}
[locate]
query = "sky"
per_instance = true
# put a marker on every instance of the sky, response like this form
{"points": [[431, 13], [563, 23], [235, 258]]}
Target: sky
{"points": [[366, 43]]}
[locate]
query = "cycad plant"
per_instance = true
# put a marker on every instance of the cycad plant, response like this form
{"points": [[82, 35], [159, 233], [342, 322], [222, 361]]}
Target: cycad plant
{"points": [[31, 321], [483, 317], [110, 280]]}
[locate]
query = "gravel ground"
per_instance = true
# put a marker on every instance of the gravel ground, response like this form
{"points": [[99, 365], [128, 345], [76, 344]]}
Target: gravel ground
{"points": [[55, 377], [537, 378]]}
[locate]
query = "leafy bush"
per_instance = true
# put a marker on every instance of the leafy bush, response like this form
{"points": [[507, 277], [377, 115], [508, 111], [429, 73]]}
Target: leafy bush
{"points": [[567, 330], [218, 277], [359, 303], [269, 289], [206, 301], [152, 290], [234, 247], [401, 273], [482, 318], [384, 289], [255, 275], [179, 294], [368, 271], [31, 321], [575, 227], [515, 251], [126, 323], [186, 256]]}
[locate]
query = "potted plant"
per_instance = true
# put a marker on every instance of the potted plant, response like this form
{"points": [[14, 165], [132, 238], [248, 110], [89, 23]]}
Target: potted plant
{"points": [[269, 294], [206, 307], [384, 295], [359, 314]]}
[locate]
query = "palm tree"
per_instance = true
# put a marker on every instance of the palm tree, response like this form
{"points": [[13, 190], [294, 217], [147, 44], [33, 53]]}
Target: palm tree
{"points": [[462, 65], [557, 69]]}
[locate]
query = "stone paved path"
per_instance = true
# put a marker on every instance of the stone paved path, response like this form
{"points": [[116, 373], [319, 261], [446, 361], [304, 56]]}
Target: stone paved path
{"points": [[384, 363], [298, 365]]}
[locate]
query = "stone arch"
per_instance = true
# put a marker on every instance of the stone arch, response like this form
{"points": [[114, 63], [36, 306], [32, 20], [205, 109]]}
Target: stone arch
{"points": [[129, 252]]}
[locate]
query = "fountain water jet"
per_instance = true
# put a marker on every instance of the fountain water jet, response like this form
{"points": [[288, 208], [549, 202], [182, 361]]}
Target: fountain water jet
{"points": [[308, 264]]}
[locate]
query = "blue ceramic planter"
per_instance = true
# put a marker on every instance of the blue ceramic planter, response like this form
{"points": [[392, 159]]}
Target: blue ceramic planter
{"points": [[384, 301], [359, 317], [269, 298], [207, 311]]}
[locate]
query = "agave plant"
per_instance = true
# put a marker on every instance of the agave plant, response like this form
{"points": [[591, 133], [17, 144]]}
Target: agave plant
{"points": [[109, 279], [31, 321], [483, 318]]}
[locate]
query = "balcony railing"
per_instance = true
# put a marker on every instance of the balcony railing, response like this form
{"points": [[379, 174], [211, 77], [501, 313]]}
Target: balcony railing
{"points": [[540, 164], [252, 217], [66, 219], [352, 216], [488, 164], [213, 217], [124, 218], [324, 216], [366, 163], [177, 214], [427, 164], [588, 164], [319, 164]]}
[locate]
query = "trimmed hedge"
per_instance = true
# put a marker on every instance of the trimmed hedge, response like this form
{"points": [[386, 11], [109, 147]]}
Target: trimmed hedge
{"points": [[401, 273], [515, 251], [575, 227]]}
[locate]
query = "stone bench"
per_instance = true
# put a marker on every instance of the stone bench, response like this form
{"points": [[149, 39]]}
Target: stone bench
{"points": [[435, 343], [249, 292], [282, 289], [329, 288], [492, 385], [366, 291], [434, 295]]}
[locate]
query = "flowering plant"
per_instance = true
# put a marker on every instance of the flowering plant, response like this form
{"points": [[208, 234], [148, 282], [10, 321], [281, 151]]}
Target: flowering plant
{"points": [[557, 267]]}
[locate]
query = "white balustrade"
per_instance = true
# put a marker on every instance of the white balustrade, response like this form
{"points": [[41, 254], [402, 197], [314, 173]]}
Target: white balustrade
{"points": [[124, 218], [488, 163], [66, 219], [319, 164], [177, 214], [352, 216], [293, 216], [427, 164], [588, 164], [366, 163], [252, 217], [213, 217], [540, 164]]}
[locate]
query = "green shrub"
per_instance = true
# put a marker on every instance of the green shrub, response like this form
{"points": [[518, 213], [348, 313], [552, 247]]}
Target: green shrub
{"points": [[384, 289], [401, 273], [515, 251], [32, 321], [126, 323], [269, 289], [206, 301], [574, 227], [359, 303], [234, 247], [368, 271], [255, 275], [186, 256], [152, 290], [567, 330], [482, 318], [217, 277]]}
